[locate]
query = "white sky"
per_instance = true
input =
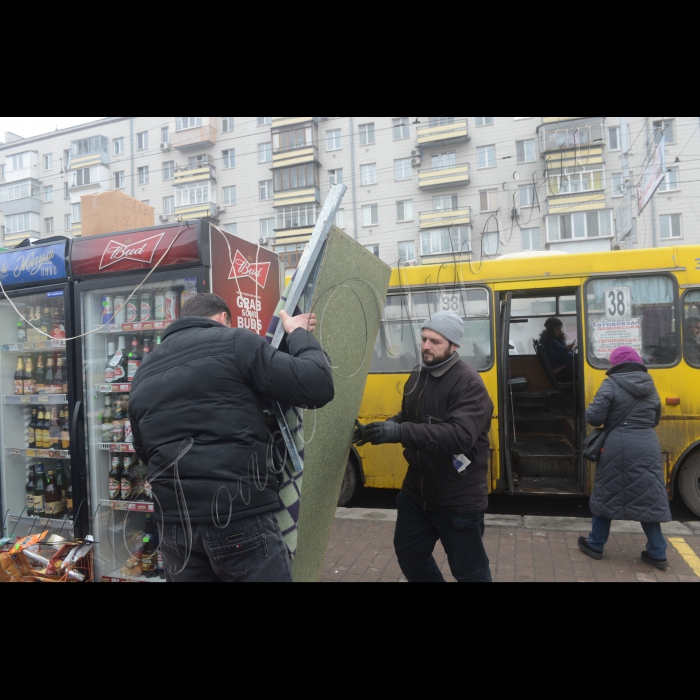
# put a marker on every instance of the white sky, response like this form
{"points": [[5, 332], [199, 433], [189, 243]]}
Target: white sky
{"points": [[33, 126]]}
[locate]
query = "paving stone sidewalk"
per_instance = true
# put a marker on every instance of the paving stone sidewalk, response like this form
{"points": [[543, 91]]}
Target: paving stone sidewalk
{"points": [[541, 550]]}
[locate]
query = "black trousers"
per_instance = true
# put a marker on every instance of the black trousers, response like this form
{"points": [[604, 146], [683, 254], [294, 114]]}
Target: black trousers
{"points": [[462, 536]]}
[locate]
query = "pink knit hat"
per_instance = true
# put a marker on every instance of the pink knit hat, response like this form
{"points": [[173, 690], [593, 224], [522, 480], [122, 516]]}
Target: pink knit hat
{"points": [[624, 354]]}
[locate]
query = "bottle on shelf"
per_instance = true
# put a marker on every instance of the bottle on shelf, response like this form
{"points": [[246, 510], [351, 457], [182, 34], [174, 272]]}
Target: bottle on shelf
{"points": [[38, 430], [40, 376], [109, 371], [127, 484], [31, 485], [149, 558], [31, 435], [159, 339], [69, 495], [146, 348], [53, 498], [19, 376], [120, 362], [107, 420], [115, 479], [134, 361], [119, 419], [50, 373], [39, 491], [54, 430], [146, 307], [139, 480], [29, 377], [58, 326], [21, 332], [46, 323], [107, 310], [62, 481], [65, 430], [60, 381], [161, 565], [46, 431]]}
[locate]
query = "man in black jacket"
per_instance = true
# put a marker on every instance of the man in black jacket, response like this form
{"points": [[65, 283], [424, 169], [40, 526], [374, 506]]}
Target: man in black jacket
{"points": [[444, 427], [197, 416]]}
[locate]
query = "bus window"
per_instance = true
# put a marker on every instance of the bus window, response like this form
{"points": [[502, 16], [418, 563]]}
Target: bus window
{"points": [[637, 312], [691, 303], [397, 350], [531, 313]]}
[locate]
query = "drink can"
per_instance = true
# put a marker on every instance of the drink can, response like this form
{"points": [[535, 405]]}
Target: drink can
{"points": [[171, 310], [107, 309], [146, 307], [120, 316], [132, 313], [160, 307], [128, 435]]}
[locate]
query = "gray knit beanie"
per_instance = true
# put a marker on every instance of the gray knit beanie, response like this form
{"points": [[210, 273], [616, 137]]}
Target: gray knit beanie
{"points": [[448, 325]]}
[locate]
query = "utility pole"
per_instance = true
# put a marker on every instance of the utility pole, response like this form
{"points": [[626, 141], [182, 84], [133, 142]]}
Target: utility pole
{"points": [[650, 149]]}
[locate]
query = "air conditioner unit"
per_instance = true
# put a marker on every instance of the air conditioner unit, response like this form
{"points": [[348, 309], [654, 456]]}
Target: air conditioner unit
{"points": [[220, 209], [515, 213], [165, 147], [163, 218], [412, 263], [417, 153], [620, 246], [415, 162]]}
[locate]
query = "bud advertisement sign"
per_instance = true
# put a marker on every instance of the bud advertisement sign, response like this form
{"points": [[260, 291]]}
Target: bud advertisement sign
{"points": [[136, 250], [247, 278], [33, 265]]}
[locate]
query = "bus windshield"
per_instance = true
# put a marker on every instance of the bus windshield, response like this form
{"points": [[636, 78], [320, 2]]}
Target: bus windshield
{"points": [[637, 312], [397, 350]]}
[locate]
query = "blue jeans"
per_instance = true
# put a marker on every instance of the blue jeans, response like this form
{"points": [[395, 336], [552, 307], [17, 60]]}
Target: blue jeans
{"points": [[600, 535], [462, 536], [247, 551]]}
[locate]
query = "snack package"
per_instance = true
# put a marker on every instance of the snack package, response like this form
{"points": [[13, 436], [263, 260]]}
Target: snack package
{"points": [[10, 571], [29, 542]]}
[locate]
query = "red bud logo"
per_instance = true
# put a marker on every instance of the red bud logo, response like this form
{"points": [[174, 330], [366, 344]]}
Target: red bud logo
{"points": [[141, 252], [242, 268]]}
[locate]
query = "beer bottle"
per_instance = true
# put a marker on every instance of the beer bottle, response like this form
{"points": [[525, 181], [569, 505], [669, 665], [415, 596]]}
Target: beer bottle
{"points": [[134, 359], [118, 424], [29, 377], [46, 432], [115, 479], [39, 430], [40, 376], [31, 485], [121, 367], [54, 430], [31, 441], [127, 484], [62, 481], [48, 380], [39, 490], [19, 376], [65, 430], [161, 565], [69, 496], [149, 558], [45, 325], [21, 333], [60, 381], [58, 326], [109, 370], [159, 339], [107, 420], [146, 348], [53, 498]]}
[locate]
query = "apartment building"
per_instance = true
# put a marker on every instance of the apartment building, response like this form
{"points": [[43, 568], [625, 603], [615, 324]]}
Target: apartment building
{"points": [[420, 189]]}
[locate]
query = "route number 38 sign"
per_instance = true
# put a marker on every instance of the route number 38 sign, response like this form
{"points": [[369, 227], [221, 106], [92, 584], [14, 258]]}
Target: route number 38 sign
{"points": [[618, 302]]}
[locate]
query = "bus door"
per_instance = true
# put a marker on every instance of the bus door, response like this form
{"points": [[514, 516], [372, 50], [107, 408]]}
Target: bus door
{"points": [[541, 396]]}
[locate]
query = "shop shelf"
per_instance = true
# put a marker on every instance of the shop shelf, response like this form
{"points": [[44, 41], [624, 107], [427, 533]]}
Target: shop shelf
{"points": [[36, 400], [37, 454], [116, 447], [131, 507], [34, 347]]}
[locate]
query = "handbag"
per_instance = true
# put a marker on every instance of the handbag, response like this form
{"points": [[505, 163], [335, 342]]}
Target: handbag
{"points": [[595, 442]]}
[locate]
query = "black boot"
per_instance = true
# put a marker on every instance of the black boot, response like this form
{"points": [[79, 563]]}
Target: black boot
{"points": [[660, 564], [586, 549]]}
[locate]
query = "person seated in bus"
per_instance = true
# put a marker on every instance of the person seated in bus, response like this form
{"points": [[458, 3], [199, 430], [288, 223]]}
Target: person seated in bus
{"points": [[666, 352], [692, 340], [559, 354]]}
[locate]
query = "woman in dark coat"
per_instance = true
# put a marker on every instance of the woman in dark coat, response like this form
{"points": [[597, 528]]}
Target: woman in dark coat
{"points": [[559, 354], [629, 482]]}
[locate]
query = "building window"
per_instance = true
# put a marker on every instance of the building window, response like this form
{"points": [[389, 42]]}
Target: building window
{"points": [[264, 121], [48, 226], [531, 239], [184, 123], [48, 193], [18, 223], [340, 219], [194, 193], [667, 128], [230, 196], [165, 136], [68, 222], [447, 202], [404, 211], [581, 178], [168, 205], [403, 169], [295, 178], [229, 158], [443, 161], [169, 170], [66, 190], [526, 194], [142, 141], [671, 227], [614, 138], [368, 174], [267, 228], [336, 176], [266, 191], [334, 140], [118, 145], [367, 136], [300, 216], [407, 252], [264, 152], [671, 181], [119, 180], [444, 241], [486, 155], [374, 249], [526, 151], [227, 124], [48, 162], [370, 215], [77, 213], [144, 175], [232, 229], [401, 128], [586, 224], [489, 200]]}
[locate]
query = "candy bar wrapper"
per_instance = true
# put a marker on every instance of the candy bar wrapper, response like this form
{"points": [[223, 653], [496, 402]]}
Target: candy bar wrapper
{"points": [[29, 542]]}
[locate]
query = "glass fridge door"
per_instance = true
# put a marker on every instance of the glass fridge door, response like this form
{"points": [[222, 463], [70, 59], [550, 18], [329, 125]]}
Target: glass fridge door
{"points": [[122, 507], [34, 414]]}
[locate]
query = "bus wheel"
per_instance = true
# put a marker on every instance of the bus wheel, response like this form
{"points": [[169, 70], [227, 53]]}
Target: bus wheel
{"points": [[350, 485], [689, 482]]}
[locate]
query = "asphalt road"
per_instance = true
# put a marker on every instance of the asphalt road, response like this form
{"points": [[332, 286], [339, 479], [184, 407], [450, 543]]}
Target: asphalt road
{"points": [[517, 505]]}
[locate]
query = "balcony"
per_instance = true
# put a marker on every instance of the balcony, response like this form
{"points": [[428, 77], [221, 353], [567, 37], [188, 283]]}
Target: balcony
{"points": [[284, 158], [89, 152], [194, 173], [281, 122], [21, 197], [197, 137], [205, 210], [441, 178], [572, 135], [441, 219], [441, 134], [306, 195]]}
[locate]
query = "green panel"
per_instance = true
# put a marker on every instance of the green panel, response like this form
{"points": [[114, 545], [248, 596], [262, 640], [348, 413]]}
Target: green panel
{"points": [[348, 301]]}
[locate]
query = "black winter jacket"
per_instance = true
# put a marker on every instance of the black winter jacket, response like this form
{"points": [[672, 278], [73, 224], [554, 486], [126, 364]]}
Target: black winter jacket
{"points": [[629, 482], [446, 413], [209, 383]]}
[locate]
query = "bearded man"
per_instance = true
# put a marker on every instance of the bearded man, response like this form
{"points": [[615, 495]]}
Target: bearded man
{"points": [[444, 427]]}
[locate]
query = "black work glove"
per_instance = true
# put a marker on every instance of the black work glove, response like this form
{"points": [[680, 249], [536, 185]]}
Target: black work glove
{"points": [[358, 437], [383, 433]]}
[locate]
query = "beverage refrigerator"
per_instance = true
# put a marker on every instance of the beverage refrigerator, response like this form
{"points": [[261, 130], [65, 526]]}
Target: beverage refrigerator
{"points": [[40, 411], [182, 260]]}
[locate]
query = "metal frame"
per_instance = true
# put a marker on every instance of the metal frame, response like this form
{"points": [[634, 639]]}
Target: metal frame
{"points": [[302, 284]]}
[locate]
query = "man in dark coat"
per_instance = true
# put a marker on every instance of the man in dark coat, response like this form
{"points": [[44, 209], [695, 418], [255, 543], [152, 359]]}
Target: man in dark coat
{"points": [[629, 482], [197, 418], [444, 427]]}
